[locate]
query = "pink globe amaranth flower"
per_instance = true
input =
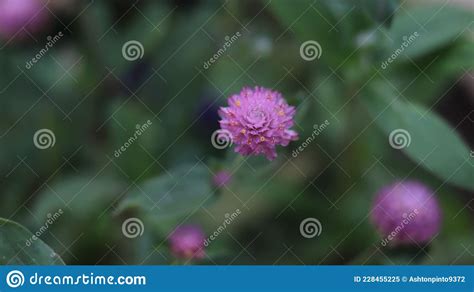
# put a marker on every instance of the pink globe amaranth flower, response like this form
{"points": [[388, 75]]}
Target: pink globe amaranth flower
{"points": [[187, 242], [222, 178], [16, 16], [406, 213], [258, 120]]}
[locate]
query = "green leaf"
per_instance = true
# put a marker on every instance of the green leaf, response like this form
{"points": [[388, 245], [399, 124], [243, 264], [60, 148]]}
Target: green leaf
{"points": [[436, 26], [459, 59], [87, 204], [438, 74], [18, 246], [430, 141], [312, 20], [172, 194], [81, 197], [379, 11]]}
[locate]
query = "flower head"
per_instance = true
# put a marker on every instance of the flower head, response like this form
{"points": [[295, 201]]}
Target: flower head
{"points": [[222, 178], [258, 120], [406, 212], [16, 16], [187, 242]]}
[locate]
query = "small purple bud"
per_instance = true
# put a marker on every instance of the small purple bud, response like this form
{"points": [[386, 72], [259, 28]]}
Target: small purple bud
{"points": [[187, 242], [222, 178], [19, 16], [406, 213]]}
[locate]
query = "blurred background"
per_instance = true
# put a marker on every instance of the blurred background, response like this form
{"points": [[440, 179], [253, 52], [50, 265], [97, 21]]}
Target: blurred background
{"points": [[108, 108]]}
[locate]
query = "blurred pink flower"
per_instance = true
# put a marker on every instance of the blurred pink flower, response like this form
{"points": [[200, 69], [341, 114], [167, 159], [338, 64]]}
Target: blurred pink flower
{"points": [[407, 213], [187, 242], [16, 16], [258, 120], [222, 178]]}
